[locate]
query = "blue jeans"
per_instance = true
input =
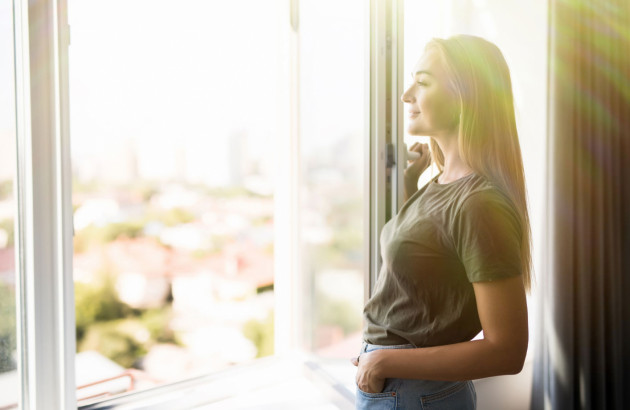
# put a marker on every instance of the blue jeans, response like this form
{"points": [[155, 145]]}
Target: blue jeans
{"points": [[416, 394]]}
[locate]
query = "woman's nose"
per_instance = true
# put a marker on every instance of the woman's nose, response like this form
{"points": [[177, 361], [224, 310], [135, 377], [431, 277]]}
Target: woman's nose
{"points": [[406, 97]]}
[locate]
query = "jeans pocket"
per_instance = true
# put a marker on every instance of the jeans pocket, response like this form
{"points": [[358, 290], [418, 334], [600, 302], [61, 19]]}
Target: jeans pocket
{"points": [[385, 400], [459, 396]]}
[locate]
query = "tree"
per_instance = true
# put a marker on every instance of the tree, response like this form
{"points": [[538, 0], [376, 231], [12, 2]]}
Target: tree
{"points": [[261, 334], [8, 342]]}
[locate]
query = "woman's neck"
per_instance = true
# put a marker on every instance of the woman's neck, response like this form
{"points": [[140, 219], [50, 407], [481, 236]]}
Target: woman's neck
{"points": [[454, 166]]}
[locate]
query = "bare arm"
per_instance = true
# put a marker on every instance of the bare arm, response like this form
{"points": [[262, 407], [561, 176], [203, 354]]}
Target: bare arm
{"points": [[502, 310]]}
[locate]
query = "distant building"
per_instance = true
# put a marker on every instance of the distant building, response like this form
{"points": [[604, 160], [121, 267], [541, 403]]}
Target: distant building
{"points": [[148, 272]]}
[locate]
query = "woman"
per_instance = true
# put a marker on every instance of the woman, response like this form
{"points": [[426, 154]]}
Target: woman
{"points": [[456, 258]]}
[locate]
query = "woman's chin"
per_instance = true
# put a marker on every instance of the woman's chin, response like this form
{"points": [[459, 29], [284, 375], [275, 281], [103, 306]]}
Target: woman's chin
{"points": [[412, 131], [416, 132]]}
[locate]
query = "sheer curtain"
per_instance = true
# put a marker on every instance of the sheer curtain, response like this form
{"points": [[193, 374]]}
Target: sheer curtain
{"points": [[583, 355]]}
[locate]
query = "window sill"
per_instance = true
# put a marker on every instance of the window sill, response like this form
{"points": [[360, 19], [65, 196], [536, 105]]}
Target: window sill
{"points": [[292, 381]]}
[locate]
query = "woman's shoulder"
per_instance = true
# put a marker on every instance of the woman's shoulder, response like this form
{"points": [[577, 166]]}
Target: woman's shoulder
{"points": [[482, 195]]}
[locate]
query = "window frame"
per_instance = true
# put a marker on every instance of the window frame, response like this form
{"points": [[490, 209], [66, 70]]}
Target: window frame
{"points": [[385, 162], [44, 234], [45, 298]]}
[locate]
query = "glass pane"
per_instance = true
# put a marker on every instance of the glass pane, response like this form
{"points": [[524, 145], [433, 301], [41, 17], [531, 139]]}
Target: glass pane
{"points": [[9, 380], [333, 136], [174, 117]]}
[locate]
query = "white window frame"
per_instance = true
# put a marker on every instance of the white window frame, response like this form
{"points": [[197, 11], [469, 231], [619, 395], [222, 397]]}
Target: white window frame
{"points": [[46, 334], [46, 316], [288, 303]]}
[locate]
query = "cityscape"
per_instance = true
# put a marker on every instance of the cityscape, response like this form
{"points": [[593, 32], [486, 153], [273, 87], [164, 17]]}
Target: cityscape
{"points": [[174, 278]]}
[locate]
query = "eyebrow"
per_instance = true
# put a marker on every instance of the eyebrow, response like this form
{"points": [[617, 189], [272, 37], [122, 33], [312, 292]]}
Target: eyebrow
{"points": [[413, 75]]}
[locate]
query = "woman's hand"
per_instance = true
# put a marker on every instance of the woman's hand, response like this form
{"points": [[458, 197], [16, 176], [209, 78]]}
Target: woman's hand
{"points": [[416, 167], [367, 378]]}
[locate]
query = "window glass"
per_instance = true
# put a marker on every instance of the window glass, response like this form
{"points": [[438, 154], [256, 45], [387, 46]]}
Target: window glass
{"points": [[9, 380], [333, 201], [174, 115]]}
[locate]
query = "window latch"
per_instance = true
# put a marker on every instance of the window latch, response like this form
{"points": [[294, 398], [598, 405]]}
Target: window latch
{"points": [[391, 158]]}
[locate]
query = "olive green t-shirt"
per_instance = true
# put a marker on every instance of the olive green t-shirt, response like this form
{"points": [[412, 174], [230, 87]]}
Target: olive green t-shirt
{"points": [[445, 237]]}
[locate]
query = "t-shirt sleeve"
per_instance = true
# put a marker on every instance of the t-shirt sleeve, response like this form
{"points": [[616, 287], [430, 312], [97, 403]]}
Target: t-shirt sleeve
{"points": [[487, 236]]}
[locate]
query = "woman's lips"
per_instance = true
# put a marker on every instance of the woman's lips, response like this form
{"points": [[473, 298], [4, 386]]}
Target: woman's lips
{"points": [[413, 114]]}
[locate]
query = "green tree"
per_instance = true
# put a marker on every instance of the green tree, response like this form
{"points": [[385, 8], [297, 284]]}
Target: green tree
{"points": [[114, 340], [8, 225], [261, 333], [8, 342], [97, 302], [105, 324], [156, 321], [172, 217]]}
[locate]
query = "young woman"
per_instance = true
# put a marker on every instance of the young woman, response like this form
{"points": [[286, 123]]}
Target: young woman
{"points": [[456, 258]]}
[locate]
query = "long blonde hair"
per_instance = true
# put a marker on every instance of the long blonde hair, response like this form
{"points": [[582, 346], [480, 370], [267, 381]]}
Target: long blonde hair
{"points": [[487, 137]]}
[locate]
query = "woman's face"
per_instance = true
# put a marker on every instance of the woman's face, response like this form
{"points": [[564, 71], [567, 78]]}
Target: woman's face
{"points": [[432, 104]]}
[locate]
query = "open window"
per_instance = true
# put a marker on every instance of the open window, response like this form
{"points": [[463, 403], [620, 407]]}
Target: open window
{"points": [[177, 112]]}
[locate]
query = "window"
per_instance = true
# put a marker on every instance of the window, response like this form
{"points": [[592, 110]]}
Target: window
{"points": [[135, 247], [175, 114], [177, 140], [9, 378]]}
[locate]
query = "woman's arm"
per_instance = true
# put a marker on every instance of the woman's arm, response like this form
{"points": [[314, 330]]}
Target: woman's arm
{"points": [[502, 310]]}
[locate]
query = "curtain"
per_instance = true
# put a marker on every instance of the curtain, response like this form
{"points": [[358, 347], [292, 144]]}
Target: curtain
{"points": [[583, 349]]}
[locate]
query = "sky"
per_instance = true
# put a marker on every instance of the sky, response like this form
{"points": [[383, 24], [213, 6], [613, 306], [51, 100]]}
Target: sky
{"points": [[159, 79], [170, 82]]}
